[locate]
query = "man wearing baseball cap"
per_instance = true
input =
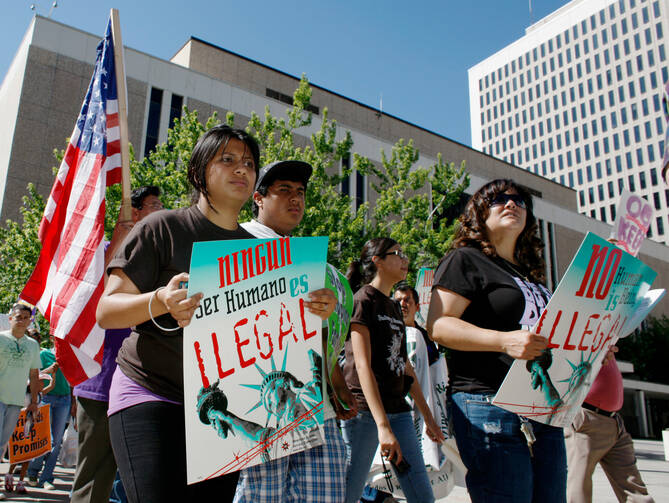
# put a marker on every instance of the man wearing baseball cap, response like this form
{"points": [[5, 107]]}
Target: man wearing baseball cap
{"points": [[278, 201], [317, 474]]}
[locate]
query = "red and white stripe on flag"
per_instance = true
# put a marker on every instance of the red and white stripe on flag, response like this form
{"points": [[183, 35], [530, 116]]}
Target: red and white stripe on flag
{"points": [[68, 280]]}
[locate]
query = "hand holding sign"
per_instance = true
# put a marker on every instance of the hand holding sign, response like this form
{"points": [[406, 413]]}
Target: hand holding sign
{"points": [[523, 344], [175, 299]]}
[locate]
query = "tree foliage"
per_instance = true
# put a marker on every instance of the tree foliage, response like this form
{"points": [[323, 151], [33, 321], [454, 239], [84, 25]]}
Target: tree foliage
{"points": [[647, 349], [19, 250], [409, 201]]}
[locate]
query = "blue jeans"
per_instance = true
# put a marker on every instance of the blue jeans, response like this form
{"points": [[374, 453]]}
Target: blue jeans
{"points": [[9, 415], [500, 467], [361, 438], [59, 412]]}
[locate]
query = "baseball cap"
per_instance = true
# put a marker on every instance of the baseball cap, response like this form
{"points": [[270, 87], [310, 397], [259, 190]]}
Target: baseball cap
{"points": [[284, 170]]}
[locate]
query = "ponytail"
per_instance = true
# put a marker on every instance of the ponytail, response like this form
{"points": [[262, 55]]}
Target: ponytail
{"points": [[362, 271], [354, 275]]}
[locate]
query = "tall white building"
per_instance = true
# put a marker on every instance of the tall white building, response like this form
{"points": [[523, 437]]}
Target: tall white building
{"points": [[578, 100]]}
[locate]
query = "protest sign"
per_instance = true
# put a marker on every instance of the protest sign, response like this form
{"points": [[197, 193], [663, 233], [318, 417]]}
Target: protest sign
{"points": [[424, 288], [26, 444], [252, 354], [633, 218], [340, 319], [602, 289]]}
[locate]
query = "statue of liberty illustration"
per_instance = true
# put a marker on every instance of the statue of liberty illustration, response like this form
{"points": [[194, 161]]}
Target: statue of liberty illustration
{"points": [[289, 404], [576, 389]]}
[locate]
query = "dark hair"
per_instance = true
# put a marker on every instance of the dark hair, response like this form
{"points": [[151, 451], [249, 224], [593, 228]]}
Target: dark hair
{"points": [[264, 187], [362, 271], [20, 307], [138, 195], [205, 150], [406, 287], [472, 230]]}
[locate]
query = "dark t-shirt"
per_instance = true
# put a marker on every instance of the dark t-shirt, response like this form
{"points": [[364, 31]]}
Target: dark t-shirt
{"points": [[500, 299], [383, 318], [158, 248]]}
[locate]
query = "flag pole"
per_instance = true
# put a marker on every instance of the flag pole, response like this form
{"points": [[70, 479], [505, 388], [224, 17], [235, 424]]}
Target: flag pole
{"points": [[122, 114]]}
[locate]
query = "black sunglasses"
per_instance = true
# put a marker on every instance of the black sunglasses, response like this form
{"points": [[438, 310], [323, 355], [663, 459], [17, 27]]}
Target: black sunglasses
{"points": [[503, 198], [399, 253]]}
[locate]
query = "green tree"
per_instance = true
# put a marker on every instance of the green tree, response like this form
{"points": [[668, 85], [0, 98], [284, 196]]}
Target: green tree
{"points": [[647, 348], [403, 208], [19, 250]]}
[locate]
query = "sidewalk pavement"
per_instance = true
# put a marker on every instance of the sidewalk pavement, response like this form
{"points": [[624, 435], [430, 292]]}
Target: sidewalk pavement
{"points": [[63, 482], [650, 460]]}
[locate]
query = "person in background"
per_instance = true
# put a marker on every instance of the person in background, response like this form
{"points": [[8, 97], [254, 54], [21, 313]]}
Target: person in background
{"points": [[488, 292], [379, 374], [316, 475], [60, 409], [20, 487], [19, 361], [96, 466], [407, 296], [598, 435], [422, 352]]}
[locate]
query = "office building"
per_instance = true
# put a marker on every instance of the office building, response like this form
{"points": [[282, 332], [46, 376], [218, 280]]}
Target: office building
{"points": [[578, 100]]}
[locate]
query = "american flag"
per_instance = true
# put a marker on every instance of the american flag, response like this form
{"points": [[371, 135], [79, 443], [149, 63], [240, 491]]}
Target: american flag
{"points": [[68, 280]]}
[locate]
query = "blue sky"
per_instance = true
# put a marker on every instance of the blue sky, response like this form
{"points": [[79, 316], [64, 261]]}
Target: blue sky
{"points": [[415, 55]]}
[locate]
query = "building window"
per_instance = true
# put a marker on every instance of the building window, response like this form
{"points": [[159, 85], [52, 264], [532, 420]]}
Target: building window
{"points": [[153, 120], [176, 105], [284, 98]]}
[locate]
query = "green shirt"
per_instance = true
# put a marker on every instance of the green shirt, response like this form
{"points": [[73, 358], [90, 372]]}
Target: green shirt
{"points": [[17, 358], [62, 387]]}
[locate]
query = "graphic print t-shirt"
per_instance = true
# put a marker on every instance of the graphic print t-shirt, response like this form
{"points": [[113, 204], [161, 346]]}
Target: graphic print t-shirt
{"points": [[383, 318], [500, 299]]}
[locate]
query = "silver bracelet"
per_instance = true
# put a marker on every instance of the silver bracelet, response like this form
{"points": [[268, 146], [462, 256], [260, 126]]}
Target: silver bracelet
{"points": [[155, 292]]}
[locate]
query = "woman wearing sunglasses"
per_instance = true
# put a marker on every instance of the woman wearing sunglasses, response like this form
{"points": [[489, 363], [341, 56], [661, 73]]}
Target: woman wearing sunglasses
{"points": [[379, 376], [488, 292]]}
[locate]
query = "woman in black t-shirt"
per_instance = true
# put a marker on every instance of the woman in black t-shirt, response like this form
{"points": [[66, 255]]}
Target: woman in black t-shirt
{"points": [[379, 376], [146, 290], [488, 292]]}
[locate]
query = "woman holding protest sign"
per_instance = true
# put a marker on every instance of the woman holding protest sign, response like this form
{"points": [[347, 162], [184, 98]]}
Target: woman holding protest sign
{"points": [[488, 292], [379, 376], [147, 289]]}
